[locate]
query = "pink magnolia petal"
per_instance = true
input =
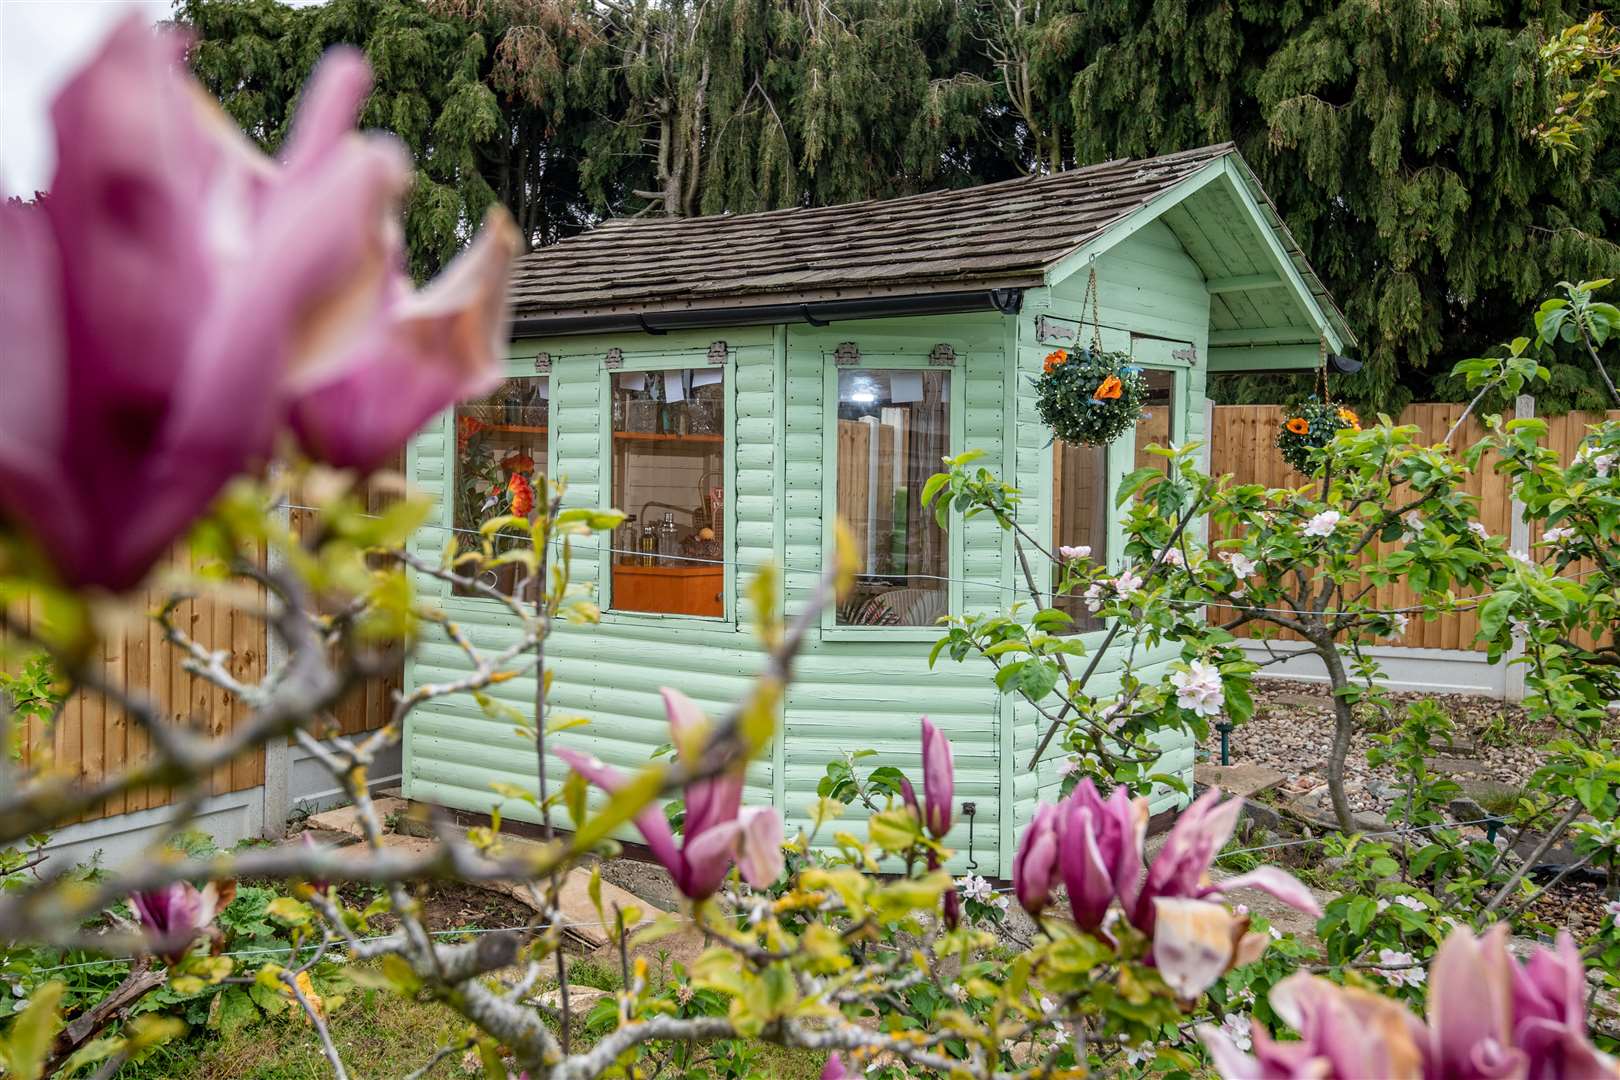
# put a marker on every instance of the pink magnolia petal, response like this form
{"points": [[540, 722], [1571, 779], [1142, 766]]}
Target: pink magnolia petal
{"points": [[1470, 1006], [651, 823], [1180, 868], [1085, 868], [1127, 864], [1035, 866], [834, 1069], [759, 846], [707, 858], [328, 106], [939, 780], [1268, 879], [1192, 943]]}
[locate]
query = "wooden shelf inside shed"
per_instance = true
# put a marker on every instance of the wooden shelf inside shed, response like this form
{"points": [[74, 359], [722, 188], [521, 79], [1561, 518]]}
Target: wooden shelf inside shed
{"points": [[654, 436]]}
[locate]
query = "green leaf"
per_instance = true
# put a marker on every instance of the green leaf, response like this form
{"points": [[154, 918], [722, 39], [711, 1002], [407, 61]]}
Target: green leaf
{"points": [[896, 829], [26, 1046]]}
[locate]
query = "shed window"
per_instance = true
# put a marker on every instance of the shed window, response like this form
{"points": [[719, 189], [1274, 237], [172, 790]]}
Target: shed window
{"points": [[501, 465], [1080, 514], [1157, 426], [669, 478], [893, 429]]}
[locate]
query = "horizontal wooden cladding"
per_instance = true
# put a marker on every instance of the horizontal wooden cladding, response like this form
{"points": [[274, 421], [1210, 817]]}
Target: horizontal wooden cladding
{"points": [[93, 737], [1242, 442], [955, 235]]}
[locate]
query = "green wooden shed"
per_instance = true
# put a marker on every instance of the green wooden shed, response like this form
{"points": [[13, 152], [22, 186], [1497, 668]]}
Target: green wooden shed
{"points": [[734, 382]]}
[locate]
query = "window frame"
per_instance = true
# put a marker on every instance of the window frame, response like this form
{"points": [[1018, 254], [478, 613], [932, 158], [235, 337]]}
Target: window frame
{"points": [[518, 366], [881, 361], [695, 359], [1122, 457]]}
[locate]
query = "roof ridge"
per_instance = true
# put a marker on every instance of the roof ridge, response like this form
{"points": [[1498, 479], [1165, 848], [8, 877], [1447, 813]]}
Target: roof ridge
{"points": [[623, 226]]}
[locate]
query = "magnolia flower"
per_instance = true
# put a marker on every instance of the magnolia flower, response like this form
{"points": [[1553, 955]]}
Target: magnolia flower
{"points": [[1489, 1017], [1196, 940], [1558, 534], [160, 310], [1100, 850], [718, 830], [1035, 866], [176, 915], [939, 780], [834, 1069], [1241, 565], [1199, 688], [1080, 551], [1478, 530], [1322, 524]]}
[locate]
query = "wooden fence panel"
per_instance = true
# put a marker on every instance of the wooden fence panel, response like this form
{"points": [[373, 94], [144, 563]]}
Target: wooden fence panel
{"points": [[1243, 443]]}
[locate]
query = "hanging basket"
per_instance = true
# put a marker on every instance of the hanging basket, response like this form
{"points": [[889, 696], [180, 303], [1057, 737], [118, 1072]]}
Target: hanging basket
{"points": [[1311, 425], [1089, 397]]}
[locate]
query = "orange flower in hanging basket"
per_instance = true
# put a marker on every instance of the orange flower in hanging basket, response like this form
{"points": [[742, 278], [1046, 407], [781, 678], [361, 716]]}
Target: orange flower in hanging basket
{"points": [[1298, 426], [522, 494], [1109, 389], [1054, 358]]}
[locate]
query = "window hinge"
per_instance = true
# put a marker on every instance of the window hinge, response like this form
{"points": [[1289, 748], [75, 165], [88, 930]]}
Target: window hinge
{"points": [[942, 355], [614, 359], [718, 353], [847, 354]]}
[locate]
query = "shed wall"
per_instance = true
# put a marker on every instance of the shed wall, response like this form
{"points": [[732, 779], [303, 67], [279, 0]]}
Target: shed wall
{"points": [[855, 688]]}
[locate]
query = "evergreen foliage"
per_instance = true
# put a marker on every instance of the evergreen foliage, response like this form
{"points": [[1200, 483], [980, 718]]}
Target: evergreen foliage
{"points": [[1404, 141]]}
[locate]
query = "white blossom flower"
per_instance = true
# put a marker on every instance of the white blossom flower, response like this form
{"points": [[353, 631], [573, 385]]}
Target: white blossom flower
{"points": [[1173, 557], [1521, 556], [1078, 551], [1114, 715], [1127, 584], [1322, 524], [1238, 1028], [1199, 688], [999, 902], [1139, 1055], [1068, 766], [1603, 463], [976, 888], [1557, 535], [1478, 530], [1238, 591], [1241, 565], [1401, 976], [1276, 934], [1518, 628], [1613, 908], [1414, 523], [1093, 596], [958, 991], [1410, 902], [1400, 621]]}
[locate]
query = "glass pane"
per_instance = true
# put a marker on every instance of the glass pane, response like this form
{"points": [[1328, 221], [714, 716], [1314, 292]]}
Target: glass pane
{"points": [[669, 478], [501, 464], [1156, 426], [1079, 515], [893, 429]]}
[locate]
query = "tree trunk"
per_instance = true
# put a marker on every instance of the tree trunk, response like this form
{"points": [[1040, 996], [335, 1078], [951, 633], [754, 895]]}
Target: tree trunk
{"points": [[1344, 726]]}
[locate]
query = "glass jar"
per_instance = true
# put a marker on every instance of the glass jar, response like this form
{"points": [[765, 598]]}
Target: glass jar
{"points": [[669, 547]]}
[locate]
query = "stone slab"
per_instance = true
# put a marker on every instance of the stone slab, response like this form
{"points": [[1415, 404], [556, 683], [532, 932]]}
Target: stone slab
{"points": [[1245, 780], [345, 820]]}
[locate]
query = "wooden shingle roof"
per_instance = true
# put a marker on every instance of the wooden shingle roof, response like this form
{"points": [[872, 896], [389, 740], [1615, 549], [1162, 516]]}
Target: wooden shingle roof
{"points": [[994, 236]]}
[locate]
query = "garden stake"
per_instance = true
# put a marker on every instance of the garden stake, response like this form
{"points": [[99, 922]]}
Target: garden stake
{"points": [[1225, 728]]}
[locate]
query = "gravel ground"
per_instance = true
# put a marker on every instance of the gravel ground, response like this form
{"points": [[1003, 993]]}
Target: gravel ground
{"points": [[1293, 726]]}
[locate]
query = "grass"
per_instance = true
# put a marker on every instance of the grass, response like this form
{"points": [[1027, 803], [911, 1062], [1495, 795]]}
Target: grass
{"points": [[378, 1034]]}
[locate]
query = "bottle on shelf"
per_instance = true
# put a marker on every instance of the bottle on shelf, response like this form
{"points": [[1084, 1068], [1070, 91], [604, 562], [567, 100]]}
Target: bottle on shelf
{"points": [[625, 541], [668, 545], [648, 546]]}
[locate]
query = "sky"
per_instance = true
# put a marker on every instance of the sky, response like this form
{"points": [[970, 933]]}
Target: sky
{"points": [[41, 43]]}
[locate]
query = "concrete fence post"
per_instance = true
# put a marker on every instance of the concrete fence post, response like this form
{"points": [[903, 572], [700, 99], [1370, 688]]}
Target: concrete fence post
{"points": [[277, 789], [1524, 407]]}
